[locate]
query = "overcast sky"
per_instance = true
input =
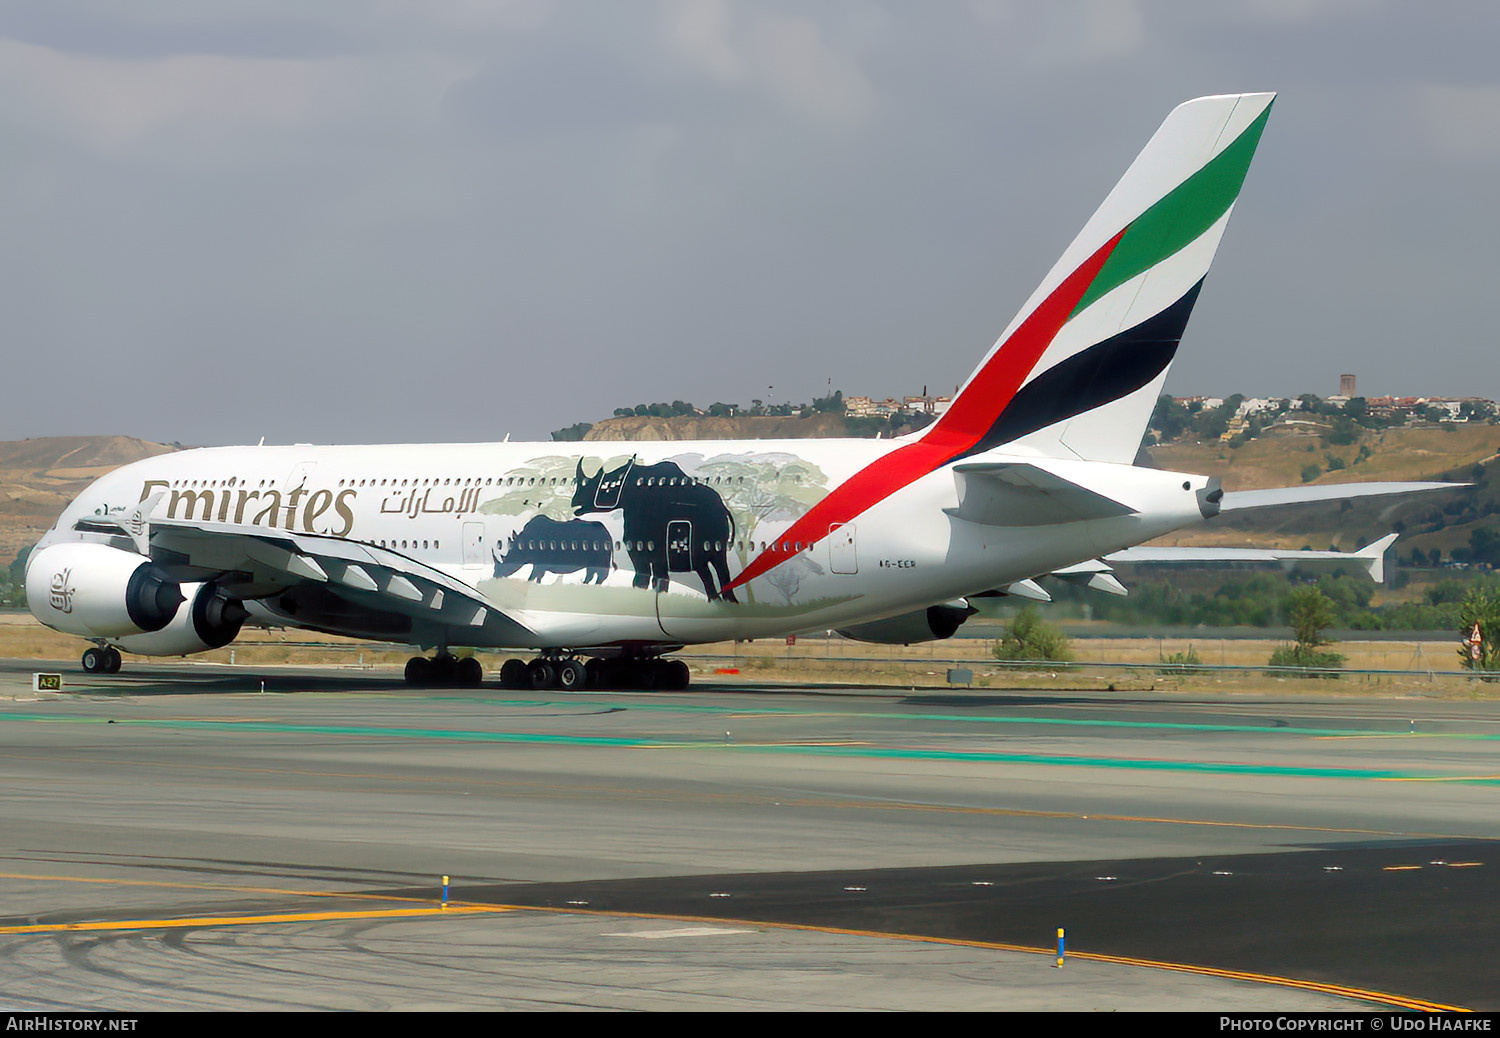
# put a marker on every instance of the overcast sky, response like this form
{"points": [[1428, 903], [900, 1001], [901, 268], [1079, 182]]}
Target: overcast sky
{"points": [[414, 220]]}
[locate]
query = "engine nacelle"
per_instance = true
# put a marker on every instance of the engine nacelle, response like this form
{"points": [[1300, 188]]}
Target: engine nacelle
{"points": [[97, 591], [925, 625], [211, 620]]}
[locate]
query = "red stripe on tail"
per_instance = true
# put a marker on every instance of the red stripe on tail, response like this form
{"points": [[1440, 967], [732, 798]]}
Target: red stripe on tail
{"points": [[969, 417]]}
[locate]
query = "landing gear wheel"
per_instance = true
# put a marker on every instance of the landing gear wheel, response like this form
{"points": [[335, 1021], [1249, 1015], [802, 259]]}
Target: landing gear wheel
{"points": [[112, 665], [470, 673], [571, 675], [675, 675], [597, 673], [513, 674], [95, 661], [540, 674], [419, 671]]}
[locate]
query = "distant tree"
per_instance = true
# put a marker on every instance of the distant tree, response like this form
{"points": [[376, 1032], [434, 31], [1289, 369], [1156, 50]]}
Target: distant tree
{"points": [[1343, 433], [572, 432], [18, 567], [1480, 608], [1170, 419], [1484, 547], [830, 404], [1310, 613]]}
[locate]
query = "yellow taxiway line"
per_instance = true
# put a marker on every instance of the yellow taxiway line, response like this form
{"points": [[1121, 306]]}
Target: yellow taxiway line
{"points": [[467, 908]]}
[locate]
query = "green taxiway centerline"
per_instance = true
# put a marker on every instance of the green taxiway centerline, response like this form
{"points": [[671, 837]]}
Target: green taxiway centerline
{"points": [[864, 751]]}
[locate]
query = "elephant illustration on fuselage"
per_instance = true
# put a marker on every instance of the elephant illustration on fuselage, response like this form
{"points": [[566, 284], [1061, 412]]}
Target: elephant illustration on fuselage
{"points": [[549, 546], [673, 522]]}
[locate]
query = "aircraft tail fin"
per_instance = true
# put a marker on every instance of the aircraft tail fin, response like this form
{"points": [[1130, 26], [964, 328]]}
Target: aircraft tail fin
{"points": [[1078, 371]]}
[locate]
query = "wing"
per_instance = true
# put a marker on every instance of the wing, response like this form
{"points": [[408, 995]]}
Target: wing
{"points": [[1242, 500], [333, 584]]}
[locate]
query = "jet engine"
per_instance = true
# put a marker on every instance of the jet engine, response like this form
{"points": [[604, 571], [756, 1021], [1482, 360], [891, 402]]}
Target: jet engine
{"points": [[211, 621], [925, 625], [97, 591]]}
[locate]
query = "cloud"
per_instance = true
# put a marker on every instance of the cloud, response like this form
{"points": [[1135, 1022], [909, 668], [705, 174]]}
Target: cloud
{"points": [[1461, 122], [211, 109], [785, 54], [112, 103]]}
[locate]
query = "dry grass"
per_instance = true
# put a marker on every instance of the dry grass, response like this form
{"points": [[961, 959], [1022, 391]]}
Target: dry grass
{"points": [[836, 661]]}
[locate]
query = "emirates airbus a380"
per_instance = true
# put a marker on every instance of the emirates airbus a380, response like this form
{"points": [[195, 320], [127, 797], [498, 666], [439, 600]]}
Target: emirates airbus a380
{"points": [[601, 560]]}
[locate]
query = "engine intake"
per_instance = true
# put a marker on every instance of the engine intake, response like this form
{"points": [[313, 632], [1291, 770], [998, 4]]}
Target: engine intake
{"points": [[212, 621], [97, 591]]}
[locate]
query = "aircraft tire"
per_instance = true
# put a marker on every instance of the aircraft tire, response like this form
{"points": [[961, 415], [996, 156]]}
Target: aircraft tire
{"points": [[597, 673], [419, 671], [114, 661], [676, 675], [95, 661], [570, 675], [470, 672], [540, 674], [513, 674]]}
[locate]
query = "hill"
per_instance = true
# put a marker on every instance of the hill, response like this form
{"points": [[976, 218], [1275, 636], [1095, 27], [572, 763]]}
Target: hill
{"points": [[1284, 454], [39, 477]]}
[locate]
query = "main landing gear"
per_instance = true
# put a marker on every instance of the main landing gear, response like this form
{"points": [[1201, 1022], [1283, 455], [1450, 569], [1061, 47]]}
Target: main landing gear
{"points": [[444, 670], [101, 659], [570, 673]]}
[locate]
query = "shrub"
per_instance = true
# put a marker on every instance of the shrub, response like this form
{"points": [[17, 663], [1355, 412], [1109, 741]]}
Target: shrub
{"points": [[1294, 655], [1178, 662], [1030, 639]]}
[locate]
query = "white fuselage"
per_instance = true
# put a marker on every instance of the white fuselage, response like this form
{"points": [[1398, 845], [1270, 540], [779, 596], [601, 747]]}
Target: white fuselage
{"points": [[599, 544]]}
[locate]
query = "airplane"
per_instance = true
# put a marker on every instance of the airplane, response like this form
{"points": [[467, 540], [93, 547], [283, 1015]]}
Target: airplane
{"points": [[602, 560]]}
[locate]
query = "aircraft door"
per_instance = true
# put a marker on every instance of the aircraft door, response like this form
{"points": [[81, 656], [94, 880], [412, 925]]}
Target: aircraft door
{"points": [[474, 544], [679, 546], [607, 494], [842, 554], [299, 474]]}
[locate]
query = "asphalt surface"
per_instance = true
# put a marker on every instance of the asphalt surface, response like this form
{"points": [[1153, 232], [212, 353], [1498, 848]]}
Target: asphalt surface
{"points": [[171, 837]]}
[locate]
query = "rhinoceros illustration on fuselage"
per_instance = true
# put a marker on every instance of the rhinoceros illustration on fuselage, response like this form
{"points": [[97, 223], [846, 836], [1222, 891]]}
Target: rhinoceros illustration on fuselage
{"points": [[673, 522], [549, 546]]}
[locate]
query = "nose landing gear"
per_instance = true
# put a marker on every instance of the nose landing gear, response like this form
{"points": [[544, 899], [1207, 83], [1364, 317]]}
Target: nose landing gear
{"points": [[101, 659]]}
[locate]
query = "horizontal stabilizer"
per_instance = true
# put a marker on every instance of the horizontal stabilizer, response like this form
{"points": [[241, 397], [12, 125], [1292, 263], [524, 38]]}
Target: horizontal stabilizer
{"points": [[1243, 500], [1020, 494], [1371, 557]]}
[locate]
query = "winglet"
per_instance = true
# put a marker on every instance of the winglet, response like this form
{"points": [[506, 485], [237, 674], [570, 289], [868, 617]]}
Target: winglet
{"points": [[1372, 556], [137, 522]]}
